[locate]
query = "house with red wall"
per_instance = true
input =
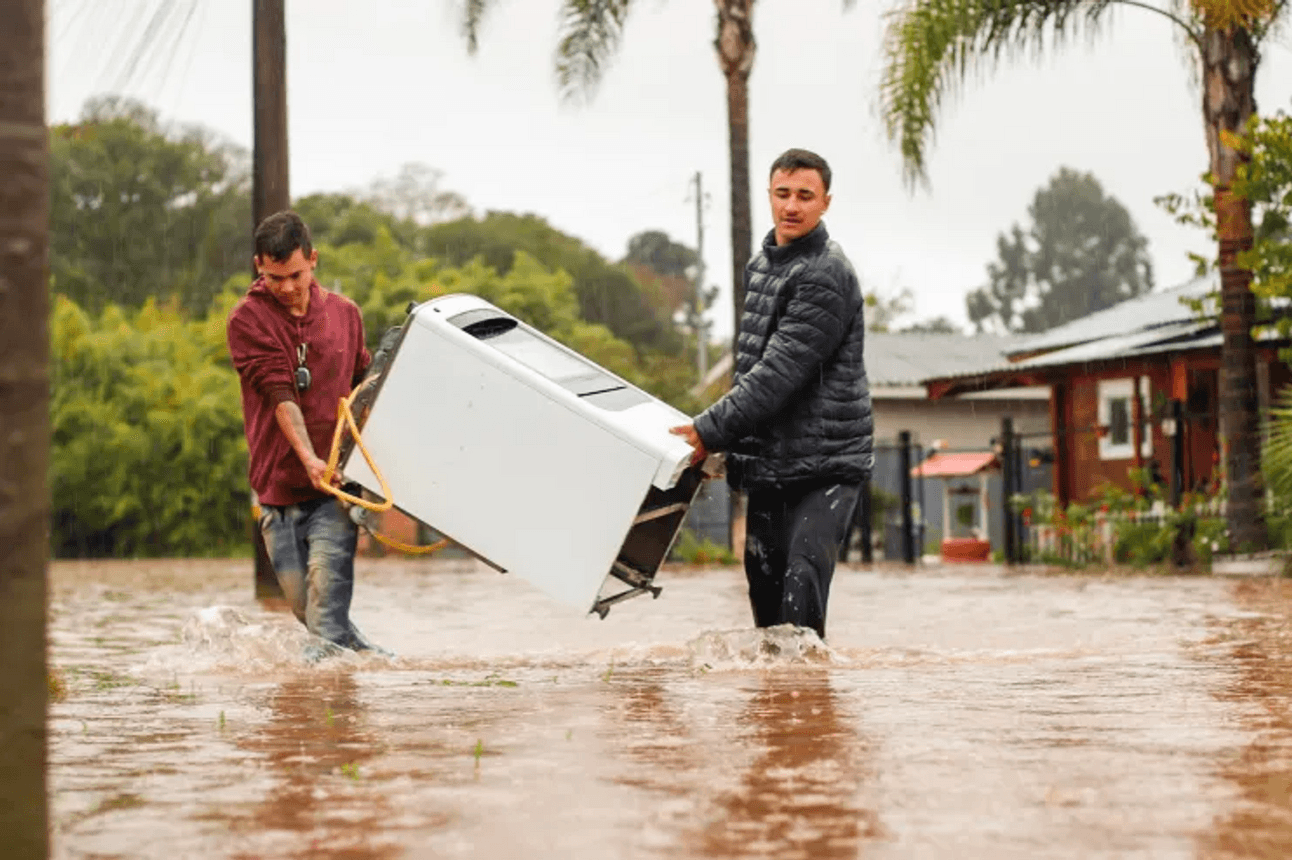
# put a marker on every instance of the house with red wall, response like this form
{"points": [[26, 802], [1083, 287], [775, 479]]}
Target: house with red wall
{"points": [[1134, 386]]}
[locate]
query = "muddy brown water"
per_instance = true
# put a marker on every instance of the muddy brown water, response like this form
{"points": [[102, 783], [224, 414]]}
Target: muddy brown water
{"points": [[952, 712]]}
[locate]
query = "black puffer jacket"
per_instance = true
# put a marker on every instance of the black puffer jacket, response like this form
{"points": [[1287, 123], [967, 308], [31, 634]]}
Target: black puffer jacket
{"points": [[799, 405]]}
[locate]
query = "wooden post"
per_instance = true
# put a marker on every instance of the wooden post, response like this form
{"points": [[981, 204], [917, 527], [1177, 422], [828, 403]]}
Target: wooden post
{"points": [[908, 526], [1007, 487], [984, 506], [867, 551], [1177, 454], [946, 508], [269, 192], [1137, 424], [1063, 444]]}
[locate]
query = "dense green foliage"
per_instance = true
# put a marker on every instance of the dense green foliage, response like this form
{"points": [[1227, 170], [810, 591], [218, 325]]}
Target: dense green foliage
{"points": [[147, 454], [1130, 528], [607, 294], [1082, 253], [150, 250]]}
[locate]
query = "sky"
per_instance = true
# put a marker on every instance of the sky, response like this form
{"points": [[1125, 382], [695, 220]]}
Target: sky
{"points": [[375, 85]]}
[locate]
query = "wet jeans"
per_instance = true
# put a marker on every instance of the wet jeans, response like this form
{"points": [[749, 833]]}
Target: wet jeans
{"points": [[312, 547], [792, 540]]}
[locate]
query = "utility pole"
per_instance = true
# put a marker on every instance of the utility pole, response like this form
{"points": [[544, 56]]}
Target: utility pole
{"points": [[24, 444], [698, 321], [269, 189]]}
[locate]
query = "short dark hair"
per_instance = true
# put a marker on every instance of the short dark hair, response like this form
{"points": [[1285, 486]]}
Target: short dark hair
{"points": [[280, 234], [801, 159]]}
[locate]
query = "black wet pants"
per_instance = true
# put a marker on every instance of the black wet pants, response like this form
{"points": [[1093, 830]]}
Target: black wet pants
{"points": [[792, 540]]}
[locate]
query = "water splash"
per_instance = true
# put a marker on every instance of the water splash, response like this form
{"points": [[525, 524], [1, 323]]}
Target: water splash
{"points": [[767, 647], [222, 638]]}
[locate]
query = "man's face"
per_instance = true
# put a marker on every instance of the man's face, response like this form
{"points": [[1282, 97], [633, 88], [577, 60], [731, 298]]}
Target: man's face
{"points": [[289, 280], [798, 202]]}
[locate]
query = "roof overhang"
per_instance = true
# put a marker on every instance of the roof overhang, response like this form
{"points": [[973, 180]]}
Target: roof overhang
{"points": [[961, 464]]}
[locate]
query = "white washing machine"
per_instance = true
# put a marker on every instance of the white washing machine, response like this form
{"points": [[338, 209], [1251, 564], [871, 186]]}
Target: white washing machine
{"points": [[538, 461]]}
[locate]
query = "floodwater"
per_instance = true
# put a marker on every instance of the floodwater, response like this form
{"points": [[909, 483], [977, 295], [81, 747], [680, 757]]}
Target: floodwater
{"points": [[954, 712]]}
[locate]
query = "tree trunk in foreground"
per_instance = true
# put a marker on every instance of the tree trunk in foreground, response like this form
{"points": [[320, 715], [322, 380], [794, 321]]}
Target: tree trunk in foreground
{"points": [[24, 440]]}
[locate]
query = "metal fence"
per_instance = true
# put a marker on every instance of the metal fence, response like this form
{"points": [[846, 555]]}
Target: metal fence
{"points": [[921, 515]]}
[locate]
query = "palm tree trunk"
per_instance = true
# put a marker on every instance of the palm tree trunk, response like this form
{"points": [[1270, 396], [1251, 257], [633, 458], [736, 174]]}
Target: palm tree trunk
{"points": [[24, 447], [1229, 61]]}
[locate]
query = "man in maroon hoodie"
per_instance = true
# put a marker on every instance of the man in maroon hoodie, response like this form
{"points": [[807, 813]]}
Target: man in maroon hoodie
{"points": [[298, 350]]}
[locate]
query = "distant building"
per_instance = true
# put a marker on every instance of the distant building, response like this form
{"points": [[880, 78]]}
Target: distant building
{"points": [[1132, 386], [898, 364]]}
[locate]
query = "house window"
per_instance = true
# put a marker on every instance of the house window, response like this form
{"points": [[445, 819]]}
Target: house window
{"points": [[1116, 421]]}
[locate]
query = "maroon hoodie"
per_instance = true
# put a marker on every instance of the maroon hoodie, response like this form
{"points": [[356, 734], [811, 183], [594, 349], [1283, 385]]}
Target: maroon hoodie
{"points": [[263, 339]]}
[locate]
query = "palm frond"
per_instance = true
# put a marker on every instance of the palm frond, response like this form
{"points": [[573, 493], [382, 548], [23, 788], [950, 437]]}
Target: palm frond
{"points": [[1222, 14], [473, 12], [931, 47], [589, 35], [1277, 453]]}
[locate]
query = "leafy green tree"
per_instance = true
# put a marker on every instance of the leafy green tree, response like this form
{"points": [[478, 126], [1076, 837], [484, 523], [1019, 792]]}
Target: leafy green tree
{"points": [[341, 219], [1080, 254], [659, 253], [1266, 183], [667, 271], [141, 211], [933, 46], [148, 453], [607, 294]]}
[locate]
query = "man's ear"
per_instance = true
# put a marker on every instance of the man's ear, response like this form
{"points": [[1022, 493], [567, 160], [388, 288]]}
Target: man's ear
{"points": [[828, 198], [255, 262]]}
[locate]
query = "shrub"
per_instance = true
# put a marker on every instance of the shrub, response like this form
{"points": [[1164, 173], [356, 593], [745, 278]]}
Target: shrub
{"points": [[692, 549]]}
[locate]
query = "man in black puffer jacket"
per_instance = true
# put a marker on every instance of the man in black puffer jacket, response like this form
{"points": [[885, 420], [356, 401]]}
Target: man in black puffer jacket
{"points": [[796, 424]]}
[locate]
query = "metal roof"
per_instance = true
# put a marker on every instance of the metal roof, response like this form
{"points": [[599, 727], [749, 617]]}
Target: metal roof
{"points": [[1142, 312], [906, 359], [1173, 335]]}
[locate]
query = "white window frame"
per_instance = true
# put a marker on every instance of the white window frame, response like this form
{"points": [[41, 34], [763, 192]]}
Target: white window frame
{"points": [[1122, 389]]}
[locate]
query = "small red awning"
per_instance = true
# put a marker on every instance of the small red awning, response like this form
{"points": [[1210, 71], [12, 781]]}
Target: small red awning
{"points": [[957, 465]]}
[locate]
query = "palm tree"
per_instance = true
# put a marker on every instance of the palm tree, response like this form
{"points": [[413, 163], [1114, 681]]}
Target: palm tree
{"points": [[932, 45], [24, 403], [590, 34]]}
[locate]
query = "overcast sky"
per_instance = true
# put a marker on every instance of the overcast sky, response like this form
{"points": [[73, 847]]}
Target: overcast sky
{"points": [[374, 85]]}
